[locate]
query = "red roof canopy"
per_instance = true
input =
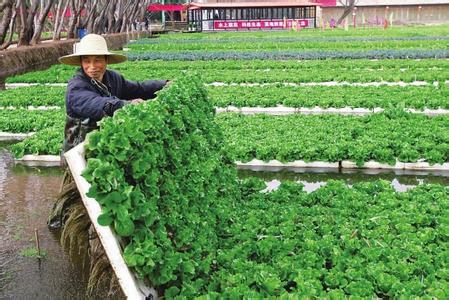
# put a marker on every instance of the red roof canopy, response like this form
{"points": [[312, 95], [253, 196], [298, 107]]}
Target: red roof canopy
{"points": [[165, 7], [327, 2]]}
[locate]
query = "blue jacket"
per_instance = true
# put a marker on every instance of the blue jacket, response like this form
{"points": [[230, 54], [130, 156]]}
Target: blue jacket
{"points": [[84, 99], [87, 101]]}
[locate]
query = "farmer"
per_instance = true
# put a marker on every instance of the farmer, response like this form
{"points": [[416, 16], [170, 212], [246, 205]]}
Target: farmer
{"points": [[95, 92], [92, 94]]}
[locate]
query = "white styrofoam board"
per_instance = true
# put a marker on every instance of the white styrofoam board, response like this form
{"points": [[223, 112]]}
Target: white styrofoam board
{"points": [[132, 288], [39, 160], [324, 83], [24, 84], [7, 136], [371, 165], [283, 110], [43, 158], [346, 164], [429, 112], [296, 164], [31, 107]]}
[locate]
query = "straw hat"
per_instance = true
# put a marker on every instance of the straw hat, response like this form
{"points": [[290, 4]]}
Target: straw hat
{"points": [[91, 44]]}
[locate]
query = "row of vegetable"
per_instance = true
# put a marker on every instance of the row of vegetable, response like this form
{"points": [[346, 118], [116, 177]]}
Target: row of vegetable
{"points": [[39, 95], [25, 121], [330, 138], [289, 44], [383, 137], [260, 71], [287, 54], [47, 141], [416, 97]]}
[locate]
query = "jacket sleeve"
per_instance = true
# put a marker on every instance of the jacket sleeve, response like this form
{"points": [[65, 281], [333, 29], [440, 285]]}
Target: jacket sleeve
{"points": [[83, 101], [145, 90]]}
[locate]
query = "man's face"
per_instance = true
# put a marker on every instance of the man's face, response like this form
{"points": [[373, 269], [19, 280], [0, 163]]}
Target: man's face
{"points": [[94, 66]]}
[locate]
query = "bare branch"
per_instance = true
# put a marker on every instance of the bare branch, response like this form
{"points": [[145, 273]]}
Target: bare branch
{"points": [[7, 15], [61, 23], [6, 3]]}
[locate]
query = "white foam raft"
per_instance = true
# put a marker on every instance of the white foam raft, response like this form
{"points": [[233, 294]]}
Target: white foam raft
{"points": [[283, 110], [24, 84], [40, 160], [329, 83], [131, 286], [31, 107], [345, 164], [8, 136]]}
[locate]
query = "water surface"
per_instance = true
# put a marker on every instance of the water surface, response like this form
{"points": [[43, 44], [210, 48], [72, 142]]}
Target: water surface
{"points": [[26, 197]]}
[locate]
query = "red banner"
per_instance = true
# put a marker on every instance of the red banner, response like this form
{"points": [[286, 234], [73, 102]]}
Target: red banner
{"points": [[260, 24]]}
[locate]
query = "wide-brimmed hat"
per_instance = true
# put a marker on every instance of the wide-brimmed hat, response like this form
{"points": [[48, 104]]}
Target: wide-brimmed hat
{"points": [[91, 44]]}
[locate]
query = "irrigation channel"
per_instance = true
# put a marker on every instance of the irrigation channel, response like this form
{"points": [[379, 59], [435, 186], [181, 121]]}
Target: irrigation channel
{"points": [[27, 194]]}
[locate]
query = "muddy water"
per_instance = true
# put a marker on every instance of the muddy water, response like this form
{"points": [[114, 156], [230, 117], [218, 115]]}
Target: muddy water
{"points": [[26, 196]]}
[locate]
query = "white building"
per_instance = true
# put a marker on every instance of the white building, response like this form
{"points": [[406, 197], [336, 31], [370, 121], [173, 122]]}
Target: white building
{"points": [[375, 12]]}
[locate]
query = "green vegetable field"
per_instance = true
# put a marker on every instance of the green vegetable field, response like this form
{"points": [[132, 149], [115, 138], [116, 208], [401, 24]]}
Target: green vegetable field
{"points": [[164, 171]]}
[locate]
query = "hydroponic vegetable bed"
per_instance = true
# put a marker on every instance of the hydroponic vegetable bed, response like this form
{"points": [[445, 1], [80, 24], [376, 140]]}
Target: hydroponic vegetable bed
{"points": [[192, 229]]}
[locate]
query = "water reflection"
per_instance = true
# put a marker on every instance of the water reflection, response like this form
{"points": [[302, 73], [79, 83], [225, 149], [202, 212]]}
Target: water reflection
{"points": [[312, 179]]}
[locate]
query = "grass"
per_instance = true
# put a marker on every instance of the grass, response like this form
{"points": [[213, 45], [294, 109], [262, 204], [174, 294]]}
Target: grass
{"points": [[32, 252]]}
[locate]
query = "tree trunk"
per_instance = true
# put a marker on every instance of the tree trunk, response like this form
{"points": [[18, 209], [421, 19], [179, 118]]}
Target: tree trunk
{"points": [[111, 19], [56, 15], [22, 14], [134, 14], [40, 23], [7, 14], [126, 16], [4, 4], [117, 16], [89, 23], [100, 20], [79, 9], [61, 21], [11, 27], [72, 20], [142, 10], [348, 7], [28, 28]]}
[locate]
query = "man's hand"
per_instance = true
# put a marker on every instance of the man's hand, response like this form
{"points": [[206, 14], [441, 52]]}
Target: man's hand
{"points": [[137, 101]]}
